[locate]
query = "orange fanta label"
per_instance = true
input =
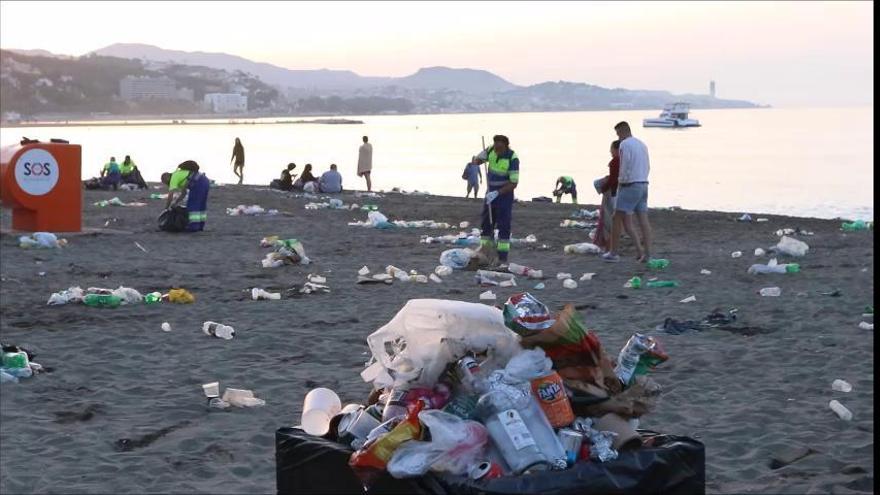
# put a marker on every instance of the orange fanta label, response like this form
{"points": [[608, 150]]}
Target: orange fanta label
{"points": [[553, 400]]}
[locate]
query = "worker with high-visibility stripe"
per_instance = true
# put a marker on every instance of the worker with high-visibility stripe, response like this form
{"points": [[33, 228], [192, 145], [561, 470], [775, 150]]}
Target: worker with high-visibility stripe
{"points": [[502, 178]]}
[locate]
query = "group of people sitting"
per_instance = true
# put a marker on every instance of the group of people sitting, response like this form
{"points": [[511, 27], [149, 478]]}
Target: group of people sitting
{"points": [[114, 174], [329, 182]]}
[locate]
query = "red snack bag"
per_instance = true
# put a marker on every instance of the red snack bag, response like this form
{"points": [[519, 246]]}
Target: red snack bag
{"points": [[378, 453]]}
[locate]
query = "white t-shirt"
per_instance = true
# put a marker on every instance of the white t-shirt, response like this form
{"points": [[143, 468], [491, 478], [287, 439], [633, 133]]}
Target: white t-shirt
{"points": [[634, 162]]}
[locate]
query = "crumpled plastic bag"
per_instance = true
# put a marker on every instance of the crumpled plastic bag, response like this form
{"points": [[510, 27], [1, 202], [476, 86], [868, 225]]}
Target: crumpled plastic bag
{"points": [[456, 444], [46, 240], [457, 258], [792, 247], [528, 365], [526, 315], [71, 295], [181, 296], [128, 295], [427, 334], [376, 218]]}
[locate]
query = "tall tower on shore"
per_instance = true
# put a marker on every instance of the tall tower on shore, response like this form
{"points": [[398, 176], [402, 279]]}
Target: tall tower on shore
{"points": [[712, 89]]}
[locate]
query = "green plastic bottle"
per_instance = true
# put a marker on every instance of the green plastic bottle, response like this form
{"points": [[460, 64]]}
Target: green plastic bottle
{"points": [[854, 226], [153, 297], [102, 300], [658, 264], [635, 283], [155, 196], [663, 283], [792, 268]]}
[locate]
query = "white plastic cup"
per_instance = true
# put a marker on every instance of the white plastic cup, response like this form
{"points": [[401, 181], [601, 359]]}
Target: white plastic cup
{"points": [[211, 389], [840, 386], [841, 410], [319, 407]]}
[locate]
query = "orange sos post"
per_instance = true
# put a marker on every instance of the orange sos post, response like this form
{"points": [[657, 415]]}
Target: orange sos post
{"points": [[41, 183]]}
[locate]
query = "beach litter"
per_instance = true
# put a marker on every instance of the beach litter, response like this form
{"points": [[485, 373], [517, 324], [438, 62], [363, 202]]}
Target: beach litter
{"points": [[457, 258], [773, 266], [166, 327], [637, 283], [563, 276], [744, 218], [16, 363], [45, 240], [487, 277], [833, 293], [540, 286], [569, 284], [582, 248], [158, 195], [180, 296], [587, 276], [866, 326], [576, 224], [657, 263], [583, 213], [705, 272], [770, 292], [443, 270], [241, 398], [736, 254], [841, 410], [791, 247], [115, 201], [258, 294], [761, 220], [839, 385], [434, 278], [251, 210], [286, 252], [856, 226], [218, 330], [689, 299], [760, 252], [794, 231], [487, 296]]}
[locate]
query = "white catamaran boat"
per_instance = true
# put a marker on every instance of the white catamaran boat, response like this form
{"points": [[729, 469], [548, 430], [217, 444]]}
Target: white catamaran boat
{"points": [[673, 115]]}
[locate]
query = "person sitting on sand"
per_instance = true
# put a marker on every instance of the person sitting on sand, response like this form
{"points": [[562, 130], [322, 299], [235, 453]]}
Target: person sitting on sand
{"points": [[305, 179], [188, 180], [131, 174], [285, 183], [331, 181], [566, 185], [111, 175]]}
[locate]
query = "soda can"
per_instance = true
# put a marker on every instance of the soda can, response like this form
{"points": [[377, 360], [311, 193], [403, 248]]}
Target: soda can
{"points": [[486, 470], [571, 441], [466, 368]]}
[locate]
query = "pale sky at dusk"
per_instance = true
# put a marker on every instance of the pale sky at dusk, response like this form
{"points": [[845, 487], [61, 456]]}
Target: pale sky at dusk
{"points": [[780, 53]]}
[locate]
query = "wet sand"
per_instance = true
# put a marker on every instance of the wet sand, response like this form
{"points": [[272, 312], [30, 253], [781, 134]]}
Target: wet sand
{"points": [[748, 394]]}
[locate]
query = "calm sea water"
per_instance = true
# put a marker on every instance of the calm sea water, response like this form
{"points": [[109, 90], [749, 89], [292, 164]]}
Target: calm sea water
{"points": [[806, 162]]}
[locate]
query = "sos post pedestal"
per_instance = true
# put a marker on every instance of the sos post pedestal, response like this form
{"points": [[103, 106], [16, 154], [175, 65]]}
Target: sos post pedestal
{"points": [[42, 184]]}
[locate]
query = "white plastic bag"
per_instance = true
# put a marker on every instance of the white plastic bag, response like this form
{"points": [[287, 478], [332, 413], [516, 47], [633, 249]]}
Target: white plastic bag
{"points": [[71, 295], [528, 365], [456, 444], [128, 295], [376, 218], [457, 258], [427, 334], [792, 247]]}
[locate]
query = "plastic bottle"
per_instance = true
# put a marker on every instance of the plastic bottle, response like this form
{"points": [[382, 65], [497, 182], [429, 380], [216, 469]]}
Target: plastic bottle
{"points": [[443, 271], [510, 433], [582, 248], [770, 291], [635, 283], [218, 330], [525, 271], [15, 359], [840, 410], [841, 386], [102, 301], [629, 355], [257, 294], [854, 226], [153, 298], [662, 283], [658, 264], [395, 403], [486, 277]]}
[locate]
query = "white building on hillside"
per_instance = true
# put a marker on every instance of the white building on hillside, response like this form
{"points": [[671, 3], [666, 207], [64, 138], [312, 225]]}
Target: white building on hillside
{"points": [[226, 102], [147, 88]]}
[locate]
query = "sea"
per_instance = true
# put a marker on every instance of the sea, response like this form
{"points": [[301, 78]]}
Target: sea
{"points": [[812, 162]]}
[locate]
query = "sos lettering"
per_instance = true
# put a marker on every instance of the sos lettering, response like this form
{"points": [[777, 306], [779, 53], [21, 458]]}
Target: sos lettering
{"points": [[37, 169]]}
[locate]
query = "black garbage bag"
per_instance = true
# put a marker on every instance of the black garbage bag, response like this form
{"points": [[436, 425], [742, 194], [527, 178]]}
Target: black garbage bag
{"points": [[174, 219], [671, 465]]}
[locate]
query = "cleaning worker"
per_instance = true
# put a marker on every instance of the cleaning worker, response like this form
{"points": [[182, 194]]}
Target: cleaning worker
{"points": [[566, 185], [502, 178], [188, 180]]}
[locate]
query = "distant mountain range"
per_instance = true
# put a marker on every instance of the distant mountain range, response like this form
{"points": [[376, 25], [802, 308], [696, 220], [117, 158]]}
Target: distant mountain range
{"points": [[324, 91]]}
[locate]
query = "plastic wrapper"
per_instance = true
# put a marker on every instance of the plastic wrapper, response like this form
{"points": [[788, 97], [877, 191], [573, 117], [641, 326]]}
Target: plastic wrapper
{"points": [[526, 315], [377, 453], [457, 259], [667, 464], [71, 295], [427, 334], [791, 247], [455, 445]]}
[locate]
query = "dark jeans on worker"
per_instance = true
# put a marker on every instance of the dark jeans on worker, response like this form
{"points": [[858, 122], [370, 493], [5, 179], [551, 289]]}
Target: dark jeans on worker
{"points": [[502, 214]]}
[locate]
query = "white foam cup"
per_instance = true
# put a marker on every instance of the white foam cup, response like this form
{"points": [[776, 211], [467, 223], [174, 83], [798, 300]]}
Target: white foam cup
{"points": [[319, 407]]}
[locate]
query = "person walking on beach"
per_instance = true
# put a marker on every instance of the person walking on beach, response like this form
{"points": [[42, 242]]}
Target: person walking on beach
{"points": [[632, 196], [474, 177], [566, 185], [607, 187], [365, 162], [501, 179], [238, 156]]}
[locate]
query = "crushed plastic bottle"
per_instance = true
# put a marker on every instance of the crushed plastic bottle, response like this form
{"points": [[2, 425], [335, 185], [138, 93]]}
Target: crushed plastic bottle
{"points": [[153, 298], [658, 264], [587, 276], [662, 283], [260, 294], [841, 386], [841, 410], [563, 276], [770, 292], [218, 330], [569, 284], [102, 301], [525, 271]]}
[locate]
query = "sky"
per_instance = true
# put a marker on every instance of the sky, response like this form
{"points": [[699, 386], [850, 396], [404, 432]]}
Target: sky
{"points": [[778, 53]]}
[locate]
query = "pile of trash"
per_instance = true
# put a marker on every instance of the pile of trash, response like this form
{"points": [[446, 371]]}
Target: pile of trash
{"points": [[794, 231], [286, 252], [471, 239], [585, 214], [393, 273], [45, 240], [773, 266], [333, 204], [252, 210], [472, 391], [231, 397], [576, 224], [115, 201], [415, 192], [375, 219], [17, 362], [112, 298]]}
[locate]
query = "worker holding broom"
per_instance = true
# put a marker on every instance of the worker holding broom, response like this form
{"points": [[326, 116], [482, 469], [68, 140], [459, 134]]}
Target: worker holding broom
{"points": [[502, 176]]}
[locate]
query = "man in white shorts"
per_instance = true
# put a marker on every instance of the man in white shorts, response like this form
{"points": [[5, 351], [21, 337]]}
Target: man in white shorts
{"points": [[632, 196]]}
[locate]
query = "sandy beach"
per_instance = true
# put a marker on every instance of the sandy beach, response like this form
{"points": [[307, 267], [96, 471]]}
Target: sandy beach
{"points": [[757, 395]]}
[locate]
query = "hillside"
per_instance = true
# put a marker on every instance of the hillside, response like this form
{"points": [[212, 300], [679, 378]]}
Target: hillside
{"points": [[31, 85]]}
